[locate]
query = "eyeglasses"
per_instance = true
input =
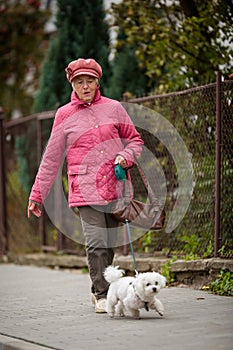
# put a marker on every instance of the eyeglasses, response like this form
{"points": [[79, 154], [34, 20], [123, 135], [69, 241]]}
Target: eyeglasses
{"points": [[83, 82]]}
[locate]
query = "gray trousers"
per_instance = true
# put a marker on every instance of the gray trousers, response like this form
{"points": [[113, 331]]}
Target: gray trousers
{"points": [[100, 231]]}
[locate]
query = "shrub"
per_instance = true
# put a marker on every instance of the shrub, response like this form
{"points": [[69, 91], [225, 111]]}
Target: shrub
{"points": [[223, 285]]}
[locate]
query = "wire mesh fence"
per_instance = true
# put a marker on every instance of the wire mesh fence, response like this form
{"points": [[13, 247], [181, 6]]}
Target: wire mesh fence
{"points": [[193, 114], [25, 143]]}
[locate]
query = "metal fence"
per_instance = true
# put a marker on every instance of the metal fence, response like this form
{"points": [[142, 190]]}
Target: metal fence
{"points": [[203, 118]]}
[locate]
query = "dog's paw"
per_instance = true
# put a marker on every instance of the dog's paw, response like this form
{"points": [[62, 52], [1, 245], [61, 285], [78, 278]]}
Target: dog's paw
{"points": [[137, 317], [120, 314], [136, 314], [158, 306], [160, 310]]}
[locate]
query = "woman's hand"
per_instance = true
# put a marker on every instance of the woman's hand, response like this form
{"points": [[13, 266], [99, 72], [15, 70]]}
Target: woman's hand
{"points": [[34, 208], [122, 161]]}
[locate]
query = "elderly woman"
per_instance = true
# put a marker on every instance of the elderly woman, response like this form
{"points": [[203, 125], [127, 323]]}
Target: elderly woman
{"points": [[95, 133]]}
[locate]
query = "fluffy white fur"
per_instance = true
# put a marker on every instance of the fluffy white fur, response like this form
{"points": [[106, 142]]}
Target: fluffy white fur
{"points": [[133, 293]]}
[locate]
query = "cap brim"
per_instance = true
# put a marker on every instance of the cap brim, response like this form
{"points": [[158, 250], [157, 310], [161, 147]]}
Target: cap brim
{"points": [[85, 73]]}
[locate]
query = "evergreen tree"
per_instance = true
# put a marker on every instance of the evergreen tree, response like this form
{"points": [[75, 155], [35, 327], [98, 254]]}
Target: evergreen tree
{"points": [[21, 46], [127, 76], [81, 32]]}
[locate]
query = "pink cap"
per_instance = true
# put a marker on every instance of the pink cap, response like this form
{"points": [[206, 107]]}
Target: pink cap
{"points": [[83, 67]]}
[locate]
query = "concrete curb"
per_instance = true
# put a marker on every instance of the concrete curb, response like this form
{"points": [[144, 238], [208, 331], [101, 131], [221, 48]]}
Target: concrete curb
{"points": [[11, 343], [194, 273]]}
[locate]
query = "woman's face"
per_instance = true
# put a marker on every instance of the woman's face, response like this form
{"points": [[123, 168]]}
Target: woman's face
{"points": [[85, 87]]}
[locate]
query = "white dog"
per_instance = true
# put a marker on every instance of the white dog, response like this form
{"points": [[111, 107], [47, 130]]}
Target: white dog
{"points": [[133, 293]]}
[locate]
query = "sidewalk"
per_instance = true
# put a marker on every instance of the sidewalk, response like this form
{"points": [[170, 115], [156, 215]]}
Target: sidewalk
{"points": [[48, 309]]}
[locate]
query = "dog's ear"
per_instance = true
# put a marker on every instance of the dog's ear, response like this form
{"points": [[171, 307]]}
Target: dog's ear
{"points": [[140, 277]]}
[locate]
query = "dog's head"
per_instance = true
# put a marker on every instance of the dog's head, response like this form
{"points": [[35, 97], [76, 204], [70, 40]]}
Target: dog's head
{"points": [[149, 283]]}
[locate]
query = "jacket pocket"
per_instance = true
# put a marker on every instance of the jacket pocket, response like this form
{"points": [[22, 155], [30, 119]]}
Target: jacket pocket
{"points": [[77, 170], [73, 173]]}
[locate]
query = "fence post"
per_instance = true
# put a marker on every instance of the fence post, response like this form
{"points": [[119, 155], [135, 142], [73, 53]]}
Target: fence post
{"points": [[3, 213], [217, 234]]}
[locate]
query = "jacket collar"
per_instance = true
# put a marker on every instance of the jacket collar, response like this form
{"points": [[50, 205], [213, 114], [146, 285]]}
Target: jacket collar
{"points": [[76, 101]]}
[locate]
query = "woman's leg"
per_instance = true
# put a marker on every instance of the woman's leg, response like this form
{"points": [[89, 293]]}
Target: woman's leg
{"points": [[100, 231]]}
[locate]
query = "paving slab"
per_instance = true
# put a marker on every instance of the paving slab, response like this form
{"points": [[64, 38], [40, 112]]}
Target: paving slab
{"points": [[51, 309]]}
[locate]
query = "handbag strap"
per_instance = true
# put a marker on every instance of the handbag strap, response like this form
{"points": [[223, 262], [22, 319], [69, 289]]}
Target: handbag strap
{"points": [[150, 192], [128, 192]]}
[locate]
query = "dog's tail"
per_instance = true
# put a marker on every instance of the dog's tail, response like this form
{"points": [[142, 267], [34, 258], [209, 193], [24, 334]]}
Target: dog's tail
{"points": [[113, 273]]}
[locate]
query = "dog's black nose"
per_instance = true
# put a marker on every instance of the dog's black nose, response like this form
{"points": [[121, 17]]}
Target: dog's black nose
{"points": [[154, 289]]}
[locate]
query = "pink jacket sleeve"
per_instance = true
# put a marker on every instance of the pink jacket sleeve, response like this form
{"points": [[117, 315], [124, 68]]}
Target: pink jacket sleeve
{"points": [[51, 161], [130, 137]]}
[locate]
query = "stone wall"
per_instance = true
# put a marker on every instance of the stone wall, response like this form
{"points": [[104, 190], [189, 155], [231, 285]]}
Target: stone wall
{"points": [[194, 273]]}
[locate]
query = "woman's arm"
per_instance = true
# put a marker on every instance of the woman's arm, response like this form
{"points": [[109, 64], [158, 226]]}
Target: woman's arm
{"points": [[51, 161], [130, 137]]}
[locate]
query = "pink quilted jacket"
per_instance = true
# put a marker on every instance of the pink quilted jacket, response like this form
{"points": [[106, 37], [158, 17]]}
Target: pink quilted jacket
{"points": [[90, 137]]}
